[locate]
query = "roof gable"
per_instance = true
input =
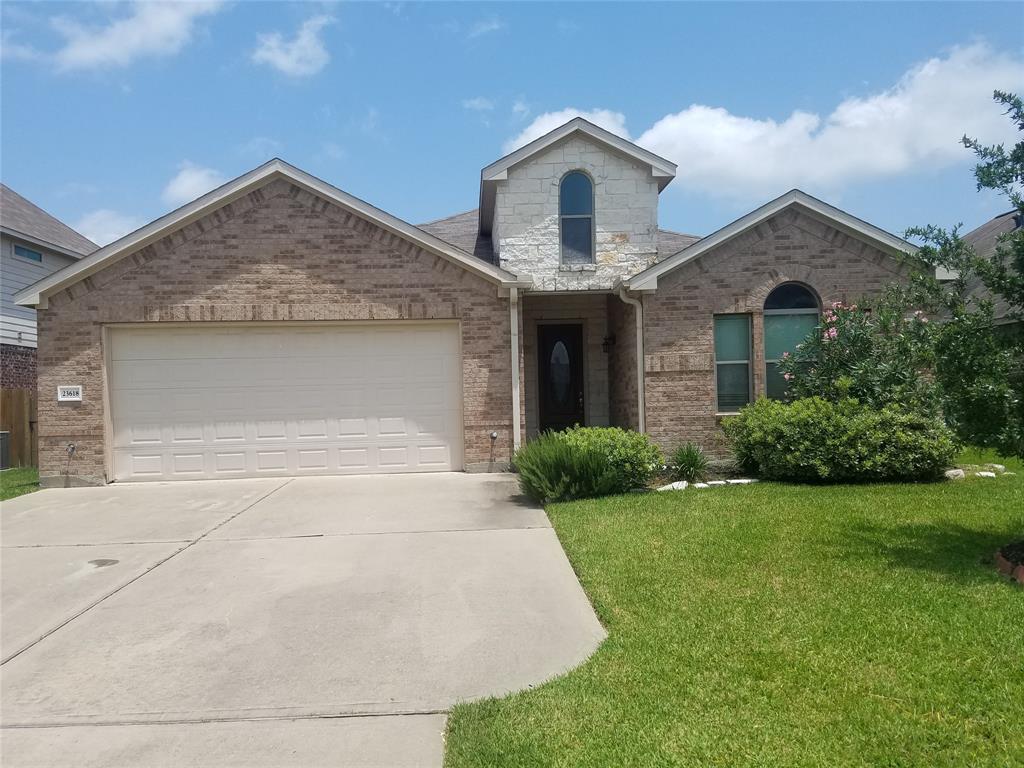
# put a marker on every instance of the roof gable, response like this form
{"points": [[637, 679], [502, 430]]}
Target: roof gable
{"points": [[24, 219], [661, 169], [884, 241], [36, 294]]}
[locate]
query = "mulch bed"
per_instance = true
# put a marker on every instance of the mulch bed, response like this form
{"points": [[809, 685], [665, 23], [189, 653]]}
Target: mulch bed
{"points": [[1010, 561]]}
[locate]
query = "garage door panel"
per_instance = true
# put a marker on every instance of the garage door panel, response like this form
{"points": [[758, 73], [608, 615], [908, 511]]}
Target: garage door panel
{"points": [[218, 402]]}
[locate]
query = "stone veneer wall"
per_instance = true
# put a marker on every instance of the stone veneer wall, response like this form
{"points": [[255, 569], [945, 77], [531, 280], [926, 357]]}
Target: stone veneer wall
{"points": [[590, 310], [526, 222], [279, 253], [737, 277]]}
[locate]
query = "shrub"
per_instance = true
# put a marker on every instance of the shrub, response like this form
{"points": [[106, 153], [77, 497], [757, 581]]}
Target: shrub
{"points": [[814, 440], [689, 463], [584, 462], [550, 469], [631, 455]]}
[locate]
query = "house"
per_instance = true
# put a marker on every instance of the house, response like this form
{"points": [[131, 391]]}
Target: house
{"points": [[280, 326], [33, 244], [984, 240]]}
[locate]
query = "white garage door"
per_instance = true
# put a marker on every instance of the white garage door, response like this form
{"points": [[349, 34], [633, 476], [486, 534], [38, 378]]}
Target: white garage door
{"points": [[216, 401]]}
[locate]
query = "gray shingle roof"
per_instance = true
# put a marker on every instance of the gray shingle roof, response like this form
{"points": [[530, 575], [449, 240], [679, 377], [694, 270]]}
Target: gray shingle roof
{"points": [[461, 231], [26, 218], [985, 239]]}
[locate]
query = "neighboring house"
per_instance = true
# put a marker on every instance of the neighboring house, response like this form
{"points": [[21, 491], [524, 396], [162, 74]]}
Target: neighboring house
{"points": [[984, 240], [33, 245], [280, 326]]}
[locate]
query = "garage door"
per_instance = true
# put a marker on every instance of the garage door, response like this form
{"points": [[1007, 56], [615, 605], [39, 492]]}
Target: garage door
{"points": [[216, 401]]}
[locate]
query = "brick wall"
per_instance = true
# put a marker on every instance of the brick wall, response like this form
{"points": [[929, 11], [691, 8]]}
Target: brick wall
{"points": [[526, 222], [277, 254], [737, 277], [622, 392], [17, 367]]}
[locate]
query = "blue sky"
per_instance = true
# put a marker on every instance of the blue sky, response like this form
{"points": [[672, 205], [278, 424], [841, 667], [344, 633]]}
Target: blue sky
{"points": [[115, 113]]}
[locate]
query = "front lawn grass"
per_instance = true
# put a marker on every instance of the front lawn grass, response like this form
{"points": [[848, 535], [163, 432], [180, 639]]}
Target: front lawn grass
{"points": [[18, 481], [782, 625]]}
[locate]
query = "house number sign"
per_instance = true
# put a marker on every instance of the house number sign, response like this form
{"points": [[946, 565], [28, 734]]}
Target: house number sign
{"points": [[69, 393]]}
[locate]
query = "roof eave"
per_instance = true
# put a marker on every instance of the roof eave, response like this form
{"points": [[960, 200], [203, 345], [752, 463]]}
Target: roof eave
{"points": [[42, 243], [648, 279], [36, 294]]}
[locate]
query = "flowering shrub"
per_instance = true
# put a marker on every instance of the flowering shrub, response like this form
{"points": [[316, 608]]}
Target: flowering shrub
{"points": [[815, 440], [879, 356]]}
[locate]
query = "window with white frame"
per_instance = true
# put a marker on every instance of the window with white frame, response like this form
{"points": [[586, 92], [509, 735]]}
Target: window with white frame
{"points": [[576, 218], [790, 315], [732, 362]]}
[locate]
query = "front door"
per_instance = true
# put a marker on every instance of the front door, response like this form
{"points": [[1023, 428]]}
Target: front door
{"points": [[560, 363]]}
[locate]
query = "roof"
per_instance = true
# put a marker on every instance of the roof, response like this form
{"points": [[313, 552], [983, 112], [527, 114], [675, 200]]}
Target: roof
{"points": [[36, 294], [661, 169], [461, 231], [984, 239], [24, 219], [885, 241]]}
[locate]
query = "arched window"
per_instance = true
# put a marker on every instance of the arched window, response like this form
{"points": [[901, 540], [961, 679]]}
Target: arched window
{"points": [[790, 315], [576, 218]]}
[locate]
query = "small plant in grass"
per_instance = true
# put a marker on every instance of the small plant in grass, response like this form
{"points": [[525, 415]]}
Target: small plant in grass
{"points": [[689, 463]]}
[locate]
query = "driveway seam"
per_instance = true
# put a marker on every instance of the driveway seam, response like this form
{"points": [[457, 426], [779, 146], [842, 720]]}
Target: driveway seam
{"points": [[139, 576], [238, 719], [387, 533], [97, 544]]}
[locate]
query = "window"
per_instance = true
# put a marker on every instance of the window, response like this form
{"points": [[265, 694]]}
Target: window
{"points": [[576, 218], [27, 253], [790, 315], [732, 362]]}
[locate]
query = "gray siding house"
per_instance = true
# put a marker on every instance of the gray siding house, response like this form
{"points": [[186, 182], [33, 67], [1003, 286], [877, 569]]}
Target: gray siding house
{"points": [[33, 244]]}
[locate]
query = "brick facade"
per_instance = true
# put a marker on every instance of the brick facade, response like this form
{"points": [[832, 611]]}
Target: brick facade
{"points": [[622, 392], [279, 253], [17, 367], [737, 277]]}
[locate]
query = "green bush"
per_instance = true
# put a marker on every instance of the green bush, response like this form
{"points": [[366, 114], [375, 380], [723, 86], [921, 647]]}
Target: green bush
{"points": [[633, 458], [815, 440], [689, 463], [585, 462]]}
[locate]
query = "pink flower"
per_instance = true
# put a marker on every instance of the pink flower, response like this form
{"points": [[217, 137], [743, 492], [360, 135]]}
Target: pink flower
{"points": [[786, 376], [837, 304], [785, 355], [831, 333]]}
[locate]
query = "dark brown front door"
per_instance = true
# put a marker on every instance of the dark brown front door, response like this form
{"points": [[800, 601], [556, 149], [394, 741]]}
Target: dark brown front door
{"points": [[560, 363]]}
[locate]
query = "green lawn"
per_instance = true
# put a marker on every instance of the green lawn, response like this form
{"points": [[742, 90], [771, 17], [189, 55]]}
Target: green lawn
{"points": [[782, 625], [15, 482]]}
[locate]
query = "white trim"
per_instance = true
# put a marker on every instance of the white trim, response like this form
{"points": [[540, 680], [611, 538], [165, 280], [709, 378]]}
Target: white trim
{"points": [[37, 293], [662, 170], [513, 304], [660, 167], [640, 377], [648, 279]]}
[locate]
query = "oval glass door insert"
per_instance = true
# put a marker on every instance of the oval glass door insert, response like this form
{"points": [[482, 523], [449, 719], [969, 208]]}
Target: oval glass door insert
{"points": [[559, 373]]}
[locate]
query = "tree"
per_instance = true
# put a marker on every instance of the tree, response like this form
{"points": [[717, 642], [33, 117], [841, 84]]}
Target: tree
{"points": [[980, 367]]}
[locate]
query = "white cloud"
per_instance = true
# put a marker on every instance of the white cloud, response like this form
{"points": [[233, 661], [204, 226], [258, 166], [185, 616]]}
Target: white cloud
{"points": [[485, 27], [303, 55], [611, 121], [915, 124], [191, 181], [478, 104], [521, 109], [151, 29], [104, 226], [14, 51]]}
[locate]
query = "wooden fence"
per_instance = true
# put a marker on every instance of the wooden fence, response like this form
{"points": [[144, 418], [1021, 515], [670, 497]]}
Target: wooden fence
{"points": [[18, 416]]}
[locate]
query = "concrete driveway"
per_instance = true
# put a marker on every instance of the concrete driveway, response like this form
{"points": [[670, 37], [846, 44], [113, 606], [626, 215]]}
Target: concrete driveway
{"points": [[305, 622]]}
